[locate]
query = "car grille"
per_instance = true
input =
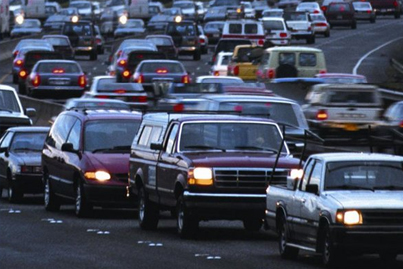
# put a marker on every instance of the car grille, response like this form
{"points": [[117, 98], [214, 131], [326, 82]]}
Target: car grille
{"points": [[382, 217], [248, 178]]}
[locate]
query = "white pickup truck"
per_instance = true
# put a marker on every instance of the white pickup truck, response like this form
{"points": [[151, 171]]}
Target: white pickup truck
{"points": [[340, 203]]}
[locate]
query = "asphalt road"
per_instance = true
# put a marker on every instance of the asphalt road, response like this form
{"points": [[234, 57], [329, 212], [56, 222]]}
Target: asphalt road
{"points": [[30, 237]]}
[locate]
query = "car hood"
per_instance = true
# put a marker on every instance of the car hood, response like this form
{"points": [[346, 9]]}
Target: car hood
{"points": [[32, 158], [366, 199], [115, 163], [240, 159]]}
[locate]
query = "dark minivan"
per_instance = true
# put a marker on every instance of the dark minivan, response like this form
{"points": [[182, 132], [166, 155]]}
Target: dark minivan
{"points": [[341, 14]]}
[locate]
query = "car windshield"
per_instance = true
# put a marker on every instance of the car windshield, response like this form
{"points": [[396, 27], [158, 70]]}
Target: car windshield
{"points": [[172, 11], [224, 136], [58, 41], [161, 68], [373, 175], [283, 112], [58, 68], [80, 5], [181, 29], [160, 41], [273, 25], [78, 29], [110, 136], [68, 11], [213, 26], [28, 142], [8, 102], [29, 24]]}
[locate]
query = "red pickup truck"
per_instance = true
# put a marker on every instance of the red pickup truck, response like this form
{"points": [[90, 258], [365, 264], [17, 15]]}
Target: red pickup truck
{"points": [[387, 7]]}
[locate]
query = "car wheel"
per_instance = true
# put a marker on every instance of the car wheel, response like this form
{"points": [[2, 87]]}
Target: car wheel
{"points": [[330, 254], [50, 200], [187, 222], [310, 40], [205, 50], [148, 211], [101, 51], [14, 194], [354, 25], [397, 15], [196, 55], [286, 252], [372, 20], [253, 224], [82, 206]]}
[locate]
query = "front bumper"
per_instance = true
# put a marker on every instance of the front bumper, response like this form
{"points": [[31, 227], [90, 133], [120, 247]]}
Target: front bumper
{"points": [[109, 196]]}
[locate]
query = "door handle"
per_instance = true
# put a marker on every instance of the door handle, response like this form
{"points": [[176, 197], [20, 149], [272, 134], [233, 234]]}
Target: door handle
{"points": [[303, 201]]}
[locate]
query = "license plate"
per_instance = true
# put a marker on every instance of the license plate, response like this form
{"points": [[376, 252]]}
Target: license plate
{"points": [[216, 35], [351, 127], [58, 82]]}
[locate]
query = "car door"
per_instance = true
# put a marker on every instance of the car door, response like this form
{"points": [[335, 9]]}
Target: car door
{"points": [[4, 153], [167, 168]]}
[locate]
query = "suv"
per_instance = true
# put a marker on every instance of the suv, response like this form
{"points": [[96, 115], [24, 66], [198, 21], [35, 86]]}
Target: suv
{"points": [[12, 113], [186, 37], [341, 14], [83, 38], [85, 159], [206, 167], [346, 109]]}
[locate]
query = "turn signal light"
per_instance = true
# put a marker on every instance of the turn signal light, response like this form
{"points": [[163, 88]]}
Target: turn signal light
{"points": [[36, 80], [322, 114], [236, 70], [271, 73], [82, 81], [185, 79]]}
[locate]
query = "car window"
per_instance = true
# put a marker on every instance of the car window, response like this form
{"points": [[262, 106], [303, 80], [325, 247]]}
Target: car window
{"points": [[161, 68], [273, 25], [171, 139], [307, 59], [286, 58], [339, 7], [160, 41], [235, 28], [74, 136], [225, 59], [5, 143], [307, 174], [58, 41], [58, 68], [353, 97], [243, 55], [250, 28], [8, 101], [60, 130], [316, 174]]}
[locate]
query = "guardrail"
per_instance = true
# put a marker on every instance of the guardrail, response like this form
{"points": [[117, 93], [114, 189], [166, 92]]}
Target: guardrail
{"points": [[8, 46], [45, 110]]}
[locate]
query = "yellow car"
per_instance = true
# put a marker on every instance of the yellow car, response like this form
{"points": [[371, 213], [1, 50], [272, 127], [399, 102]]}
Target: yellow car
{"points": [[241, 64]]}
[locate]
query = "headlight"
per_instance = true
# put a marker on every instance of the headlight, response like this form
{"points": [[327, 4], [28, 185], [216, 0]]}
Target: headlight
{"points": [[201, 176], [178, 19], [349, 217], [19, 19], [98, 175], [123, 19], [296, 173], [74, 19]]}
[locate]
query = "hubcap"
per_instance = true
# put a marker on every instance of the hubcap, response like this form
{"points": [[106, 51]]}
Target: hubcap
{"points": [[78, 199], [180, 217], [141, 206], [46, 196]]}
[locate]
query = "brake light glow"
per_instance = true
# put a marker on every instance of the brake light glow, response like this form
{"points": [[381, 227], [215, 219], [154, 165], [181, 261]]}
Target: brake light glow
{"points": [[283, 34], [395, 4], [216, 73], [323, 71], [82, 81], [58, 71], [36, 80], [316, 11], [18, 62], [323, 8], [138, 78], [119, 91], [126, 74], [23, 74], [321, 114], [122, 63], [320, 24], [161, 71], [260, 42], [236, 70], [271, 73], [185, 79]]}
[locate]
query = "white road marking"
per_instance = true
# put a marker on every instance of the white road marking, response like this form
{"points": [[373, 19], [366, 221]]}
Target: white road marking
{"points": [[372, 51]]}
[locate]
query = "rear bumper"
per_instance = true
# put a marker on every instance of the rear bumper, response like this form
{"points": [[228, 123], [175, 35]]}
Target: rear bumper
{"points": [[28, 183], [84, 50], [386, 11], [301, 34], [56, 92]]}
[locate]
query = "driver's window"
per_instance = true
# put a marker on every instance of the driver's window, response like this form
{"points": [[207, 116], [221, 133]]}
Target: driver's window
{"points": [[316, 174], [307, 174], [171, 140]]}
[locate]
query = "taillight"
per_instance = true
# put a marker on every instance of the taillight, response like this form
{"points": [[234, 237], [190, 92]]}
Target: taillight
{"points": [[36, 80], [23, 74], [369, 11], [139, 99], [236, 70], [202, 40], [321, 114], [98, 41], [214, 58], [126, 74], [18, 62], [309, 28], [316, 11], [271, 73], [401, 124], [395, 4], [283, 34], [122, 62], [323, 71], [178, 107], [185, 79], [260, 42], [323, 8], [82, 81], [119, 91], [15, 53], [320, 24], [216, 73], [138, 78]]}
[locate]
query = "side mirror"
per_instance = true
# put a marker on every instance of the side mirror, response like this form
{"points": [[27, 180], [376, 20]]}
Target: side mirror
{"points": [[68, 147], [30, 112], [312, 188], [2, 150], [156, 146], [292, 183]]}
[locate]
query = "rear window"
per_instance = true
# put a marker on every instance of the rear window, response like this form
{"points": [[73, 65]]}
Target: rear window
{"points": [[28, 24], [225, 59], [160, 41], [136, 57], [235, 28], [120, 87], [295, 16], [307, 59], [161, 68], [362, 5], [273, 25], [28, 141], [214, 26], [243, 55], [286, 58], [58, 68], [339, 7], [352, 97], [55, 41], [250, 28], [78, 29], [181, 29]]}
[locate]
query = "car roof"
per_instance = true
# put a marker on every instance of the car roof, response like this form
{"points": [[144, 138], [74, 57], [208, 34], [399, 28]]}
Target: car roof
{"points": [[103, 114], [29, 129], [354, 156], [272, 19], [248, 98], [293, 48]]}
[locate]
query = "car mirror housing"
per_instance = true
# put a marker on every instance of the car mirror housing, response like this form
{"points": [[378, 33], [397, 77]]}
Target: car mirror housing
{"points": [[312, 188], [68, 147], [30, 112]]}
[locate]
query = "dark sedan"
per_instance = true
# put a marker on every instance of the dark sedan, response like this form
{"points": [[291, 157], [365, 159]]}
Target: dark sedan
{"points": [[20, 161], [56, 79], [61, 44], [164, 44], [55, 22], [28, 27], [213, 31], [133, 27]]}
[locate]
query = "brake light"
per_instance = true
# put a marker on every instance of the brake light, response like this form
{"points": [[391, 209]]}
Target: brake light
{"points": [[15, 53], [36, 80], [185, 79], [82, 81], [395, 4], [316, 11], [309, 28], [119, 91], [98, 41], [369, 11], [126, 74], [58, 71], [161, 71], [283, 34], [323, 8], [323, 71], [401, 124], [236, 70], [18, 62], [138, 78], [321, 114], [260, 42], [271, 73], [202, 41], [23, 74], [216, 73], [178, 107], [122, 63]]}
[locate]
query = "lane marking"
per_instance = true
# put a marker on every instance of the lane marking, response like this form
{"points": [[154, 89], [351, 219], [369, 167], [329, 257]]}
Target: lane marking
{"points": [[4, 77], [372, 51]]}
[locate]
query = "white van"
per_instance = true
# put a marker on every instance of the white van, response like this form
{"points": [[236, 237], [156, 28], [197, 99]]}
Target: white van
{"points": [[247, 29], [4, 18], [139, 9], [34, 9]]}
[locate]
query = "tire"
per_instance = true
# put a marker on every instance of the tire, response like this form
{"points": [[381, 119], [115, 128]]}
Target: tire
{"points": [[372, 20], [82, 206], [330, 254], [196, 55], [253, 224], [101, 51], [93, 56], [310, 40], [187, 222], [14, 195], [205, 50], [388, 257], [286, 252], [148, 212], [50, 199], [286, 71]]}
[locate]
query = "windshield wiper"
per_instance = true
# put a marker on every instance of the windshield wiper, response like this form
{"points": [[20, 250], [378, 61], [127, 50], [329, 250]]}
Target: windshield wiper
{"points": [[203, 147], [350, 187], [388, 187], [256, 148]]}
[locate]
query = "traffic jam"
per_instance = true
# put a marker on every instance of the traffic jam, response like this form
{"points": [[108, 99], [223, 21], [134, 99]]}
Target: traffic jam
{"points": [[191, 112]]}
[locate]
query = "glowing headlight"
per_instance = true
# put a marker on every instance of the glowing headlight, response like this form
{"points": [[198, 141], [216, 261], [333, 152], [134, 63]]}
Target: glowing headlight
{"points": [[201, 176], [296, 173], [123, 19], [98, 175], [19, 19], [74, 19], [178, 19], [350, 217]]}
